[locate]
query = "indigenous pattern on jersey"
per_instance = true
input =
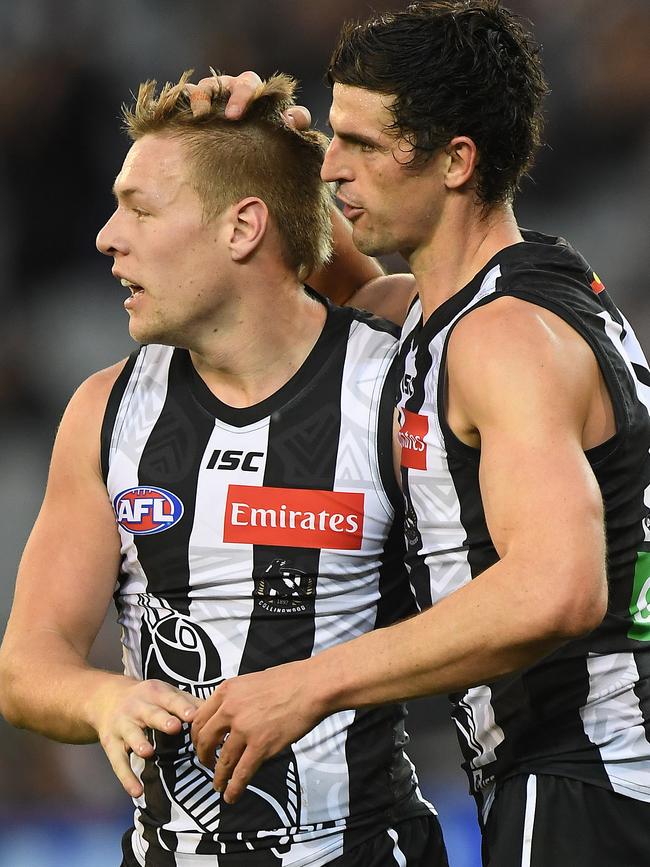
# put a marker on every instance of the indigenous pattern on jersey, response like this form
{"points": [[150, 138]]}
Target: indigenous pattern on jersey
{"points": [[254, 537], [584, 711]]}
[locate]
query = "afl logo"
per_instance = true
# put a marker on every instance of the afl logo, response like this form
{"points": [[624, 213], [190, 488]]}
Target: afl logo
{"points": [[143, 511]]}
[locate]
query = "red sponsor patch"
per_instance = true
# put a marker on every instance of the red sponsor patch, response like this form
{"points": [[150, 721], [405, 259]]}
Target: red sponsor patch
{"points": [[292, 517], [411, 437], [597, 284]]}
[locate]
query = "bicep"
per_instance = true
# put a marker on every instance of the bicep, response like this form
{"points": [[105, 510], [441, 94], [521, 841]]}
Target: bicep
{"points": [[524, 391]]}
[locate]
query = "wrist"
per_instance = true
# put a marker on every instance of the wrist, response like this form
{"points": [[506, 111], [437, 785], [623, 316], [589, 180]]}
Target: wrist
{"points": [[101, 690]]}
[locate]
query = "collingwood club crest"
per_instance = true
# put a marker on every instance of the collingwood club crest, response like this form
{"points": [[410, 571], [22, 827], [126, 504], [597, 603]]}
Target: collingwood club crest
{"points": [[283, 589]]}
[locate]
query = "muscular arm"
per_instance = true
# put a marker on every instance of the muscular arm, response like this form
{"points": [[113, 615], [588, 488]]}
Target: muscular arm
{"points": [[510, 392], [66, 578]]}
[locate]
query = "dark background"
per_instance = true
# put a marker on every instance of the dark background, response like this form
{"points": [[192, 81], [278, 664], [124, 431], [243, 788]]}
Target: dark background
{"points": [[65, 69]]}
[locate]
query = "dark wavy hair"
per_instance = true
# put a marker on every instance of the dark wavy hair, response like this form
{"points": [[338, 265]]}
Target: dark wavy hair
{"points": [[455, 67]]}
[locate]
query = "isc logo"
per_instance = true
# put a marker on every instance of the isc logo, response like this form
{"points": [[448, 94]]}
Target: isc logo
{"points": [[232, 459], [143, 511]]}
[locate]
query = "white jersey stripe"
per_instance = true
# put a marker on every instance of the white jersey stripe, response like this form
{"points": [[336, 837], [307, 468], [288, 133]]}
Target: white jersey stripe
{"points": [[613, 721], [398, 855], [529, 821]]}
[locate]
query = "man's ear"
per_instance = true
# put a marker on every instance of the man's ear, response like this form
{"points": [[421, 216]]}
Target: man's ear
{"points": [[250, 219], [462, 162]]}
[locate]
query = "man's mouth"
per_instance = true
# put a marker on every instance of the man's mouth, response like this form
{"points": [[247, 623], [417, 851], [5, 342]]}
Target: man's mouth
{"points": [[134, 287], [351, 212]]}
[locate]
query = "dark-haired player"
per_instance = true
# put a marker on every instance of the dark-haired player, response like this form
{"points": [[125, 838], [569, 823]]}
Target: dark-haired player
{"points": [[525, 432]]}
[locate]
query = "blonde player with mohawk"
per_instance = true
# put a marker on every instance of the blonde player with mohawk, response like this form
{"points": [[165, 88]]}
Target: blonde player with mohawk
{"points": [[251, 399]]}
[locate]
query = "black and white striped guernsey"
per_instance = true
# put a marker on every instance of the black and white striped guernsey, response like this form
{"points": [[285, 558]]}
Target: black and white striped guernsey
{"points": [[584, 711], [253, 537]]}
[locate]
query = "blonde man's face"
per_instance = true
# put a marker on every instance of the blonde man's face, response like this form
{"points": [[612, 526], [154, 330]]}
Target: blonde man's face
{"points": [[171, 258]]}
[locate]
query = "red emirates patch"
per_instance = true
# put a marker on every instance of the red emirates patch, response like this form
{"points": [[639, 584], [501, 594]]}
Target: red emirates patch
{"points": [[292, 517], [411, 437]]}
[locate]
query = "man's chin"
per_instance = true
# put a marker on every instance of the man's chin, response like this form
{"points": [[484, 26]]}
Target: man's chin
{"points": [[144, 335], [371, 245]]}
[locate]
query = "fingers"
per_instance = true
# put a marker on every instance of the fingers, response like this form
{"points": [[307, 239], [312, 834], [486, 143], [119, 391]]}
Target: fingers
{"points": [[200, 98], [242, 89], [298, 117], [207, 738], [239, 766], [180, 704], [150, 704], [118, 756]]}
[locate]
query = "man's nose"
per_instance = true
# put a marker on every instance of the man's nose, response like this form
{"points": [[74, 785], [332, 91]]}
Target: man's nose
{"points": [[108, 238], [333, 168]]}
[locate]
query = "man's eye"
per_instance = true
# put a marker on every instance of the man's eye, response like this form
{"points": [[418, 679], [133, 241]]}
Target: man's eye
{"points": [[140, 213]]}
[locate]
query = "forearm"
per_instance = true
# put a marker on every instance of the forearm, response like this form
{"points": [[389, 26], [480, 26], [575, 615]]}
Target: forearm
{"points": [[50, 689], [473, 636]]}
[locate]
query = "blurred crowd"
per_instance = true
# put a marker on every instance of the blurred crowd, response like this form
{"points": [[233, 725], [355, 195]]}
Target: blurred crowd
{"points": [[65, 69]]}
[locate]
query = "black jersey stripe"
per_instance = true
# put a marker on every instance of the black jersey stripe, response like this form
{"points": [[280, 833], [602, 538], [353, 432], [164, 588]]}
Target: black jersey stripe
{"points": [[385, 455], [112, 408], [302, 452], [642, 373], [423, 364], [172, 460]]}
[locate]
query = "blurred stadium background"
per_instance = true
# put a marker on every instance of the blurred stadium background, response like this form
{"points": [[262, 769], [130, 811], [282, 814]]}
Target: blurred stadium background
{"points": [[65, 68]]}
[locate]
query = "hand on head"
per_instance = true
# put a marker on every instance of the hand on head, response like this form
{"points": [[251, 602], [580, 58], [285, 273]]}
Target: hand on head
{"points": [[242, 89]]}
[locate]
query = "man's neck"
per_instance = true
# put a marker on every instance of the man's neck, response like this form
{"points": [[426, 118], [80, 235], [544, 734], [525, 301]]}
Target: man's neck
{"points": [[462, 245], [271, 339]]}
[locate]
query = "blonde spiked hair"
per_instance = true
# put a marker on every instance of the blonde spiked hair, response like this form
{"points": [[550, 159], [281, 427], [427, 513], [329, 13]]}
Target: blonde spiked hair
{"points": [[258, 155]]}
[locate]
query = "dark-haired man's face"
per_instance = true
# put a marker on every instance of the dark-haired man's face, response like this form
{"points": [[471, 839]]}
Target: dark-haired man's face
{"points": [[392, 207]]}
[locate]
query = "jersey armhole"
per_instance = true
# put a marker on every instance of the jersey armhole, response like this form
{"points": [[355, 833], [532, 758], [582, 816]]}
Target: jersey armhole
{"points": [[385, 459], [614, 387], [112, 409]]}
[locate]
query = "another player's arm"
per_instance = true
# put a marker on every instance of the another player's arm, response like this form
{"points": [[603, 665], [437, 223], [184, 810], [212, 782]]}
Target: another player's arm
{"points": [[521, 383], [66, 578], [350, 277], [357, 280]]}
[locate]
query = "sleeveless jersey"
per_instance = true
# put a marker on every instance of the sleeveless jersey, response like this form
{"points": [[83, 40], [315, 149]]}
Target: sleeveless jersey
{"points": [[584, 711], [253, 537]]}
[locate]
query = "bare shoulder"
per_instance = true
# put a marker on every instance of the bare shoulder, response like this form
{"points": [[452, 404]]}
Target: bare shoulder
{"points": [[389, 296], [510, 328], [79, 431], [509, 348], [96, 389]]}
